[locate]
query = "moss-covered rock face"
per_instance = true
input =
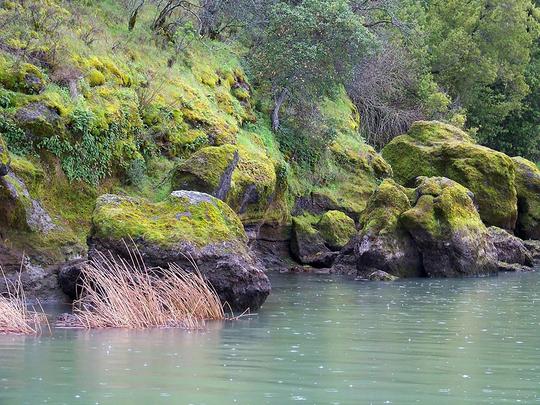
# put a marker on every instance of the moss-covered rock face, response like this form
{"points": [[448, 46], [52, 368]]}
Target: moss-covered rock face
{"points": [[528, 192], [336, 229], [437, 149], [383, 244], [361, 170], [23, 77], [448, 231], [208, 170], [30, 226], [187, 227], [245, 180], [189, 218]]}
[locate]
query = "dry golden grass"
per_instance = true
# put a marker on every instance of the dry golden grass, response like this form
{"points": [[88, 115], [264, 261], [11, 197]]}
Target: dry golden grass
{"points": [[15, 317], [121, 294]]}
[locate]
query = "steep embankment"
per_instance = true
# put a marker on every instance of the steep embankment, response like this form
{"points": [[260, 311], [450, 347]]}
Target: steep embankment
{"points": [[89, 108], [101, 113]]}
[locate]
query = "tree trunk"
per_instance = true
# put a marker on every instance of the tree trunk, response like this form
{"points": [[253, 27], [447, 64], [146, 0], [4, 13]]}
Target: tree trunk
{"points": [[278, 103]]}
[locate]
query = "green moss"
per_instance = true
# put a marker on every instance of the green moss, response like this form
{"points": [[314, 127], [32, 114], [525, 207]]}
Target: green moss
{"points": [[384, 207], [336, 229], [203, 171], [528, 192], [443, 208], [306, 224], [22, 77], [436, 149], [253, 185], [241, 93], [95, 78], [168, 223]]}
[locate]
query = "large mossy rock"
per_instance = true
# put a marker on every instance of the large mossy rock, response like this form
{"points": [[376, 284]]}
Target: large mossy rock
{"points": [[528, 193], [437, 149], [383, 244], [307, 245], [245, 180], [187, 226], [448, 231], [336, 228]]}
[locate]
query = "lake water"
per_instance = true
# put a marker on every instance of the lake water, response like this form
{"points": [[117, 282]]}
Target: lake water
{"points": [[317, 340]]}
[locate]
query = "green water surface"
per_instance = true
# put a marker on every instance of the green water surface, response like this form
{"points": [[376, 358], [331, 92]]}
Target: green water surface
{"points": [[317, 340]]}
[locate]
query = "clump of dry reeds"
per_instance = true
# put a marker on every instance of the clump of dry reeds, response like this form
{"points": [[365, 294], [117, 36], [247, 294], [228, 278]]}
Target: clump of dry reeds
{"points": [[116, 293], [15, 316]]}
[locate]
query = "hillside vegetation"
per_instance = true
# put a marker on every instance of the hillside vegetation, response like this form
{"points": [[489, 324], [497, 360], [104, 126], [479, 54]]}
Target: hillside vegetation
{"points": [[274, 107]]}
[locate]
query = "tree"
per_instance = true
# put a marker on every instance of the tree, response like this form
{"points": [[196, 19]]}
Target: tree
{"points": [[480, 50], [307, 49]]}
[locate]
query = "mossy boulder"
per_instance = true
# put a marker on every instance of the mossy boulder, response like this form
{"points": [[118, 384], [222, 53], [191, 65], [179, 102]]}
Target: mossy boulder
{"points": [[448, 231], [336, 229], [208, 170], [23, 77], [245, 180], [528, 194], [437, 149], [307, 245], [383, 243], [39, 120], [360, 171], [187, 226]]}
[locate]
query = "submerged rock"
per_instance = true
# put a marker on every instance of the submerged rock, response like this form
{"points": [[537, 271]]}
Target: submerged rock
{"points": [[528, 194], [379, 275], [437, 149], [188, 227], [448, 231]]}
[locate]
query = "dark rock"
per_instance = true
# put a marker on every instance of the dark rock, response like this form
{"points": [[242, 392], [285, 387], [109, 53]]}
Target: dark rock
{"points": [[69, 278], [510, 249]]}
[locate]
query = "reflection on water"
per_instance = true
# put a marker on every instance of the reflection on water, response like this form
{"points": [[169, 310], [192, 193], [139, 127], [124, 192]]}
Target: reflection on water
{"points": [[318, 339]]}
